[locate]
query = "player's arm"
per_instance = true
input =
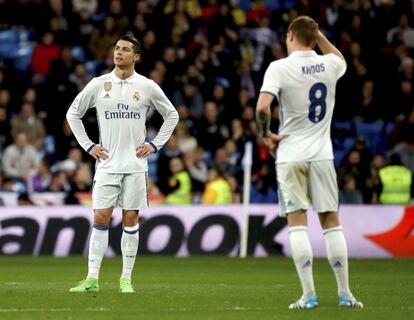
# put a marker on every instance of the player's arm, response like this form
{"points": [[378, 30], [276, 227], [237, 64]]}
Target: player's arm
{"points": [[326, 46], [164, 106], [263, 117], [263, 113], [84, 101]]}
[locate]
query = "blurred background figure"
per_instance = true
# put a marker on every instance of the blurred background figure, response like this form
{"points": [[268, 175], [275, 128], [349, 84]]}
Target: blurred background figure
{"points": [[396, 182], [218, 189], [179, 184], [19, 159]]}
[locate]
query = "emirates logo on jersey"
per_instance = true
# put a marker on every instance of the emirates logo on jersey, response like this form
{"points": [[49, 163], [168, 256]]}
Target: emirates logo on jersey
{"points": [[136, 96], [107, 86]]}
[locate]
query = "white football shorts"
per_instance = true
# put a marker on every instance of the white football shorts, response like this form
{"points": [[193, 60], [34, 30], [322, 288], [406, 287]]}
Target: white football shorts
{"points": [[128, 190], [300, 183]]}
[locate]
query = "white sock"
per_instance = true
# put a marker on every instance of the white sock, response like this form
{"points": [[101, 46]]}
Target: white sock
{"points": [[98, 244], [303, 257], [337, 252], [129, 248]]}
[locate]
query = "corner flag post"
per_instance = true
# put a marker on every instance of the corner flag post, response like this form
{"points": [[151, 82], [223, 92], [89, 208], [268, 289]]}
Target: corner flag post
{"points": [[247, 167]]}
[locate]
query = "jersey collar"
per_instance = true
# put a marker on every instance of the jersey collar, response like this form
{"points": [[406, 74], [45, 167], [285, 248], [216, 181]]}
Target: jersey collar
{"points": [[309, 53], [118, 80]]}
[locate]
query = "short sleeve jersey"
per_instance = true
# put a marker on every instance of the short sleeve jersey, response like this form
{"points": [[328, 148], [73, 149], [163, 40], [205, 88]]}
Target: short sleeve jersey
{"points": [[304, 84], [121, 107]]}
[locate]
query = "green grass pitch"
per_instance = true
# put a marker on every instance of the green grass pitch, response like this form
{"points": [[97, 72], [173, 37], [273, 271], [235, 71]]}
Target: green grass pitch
{"points": [[199, 288]]}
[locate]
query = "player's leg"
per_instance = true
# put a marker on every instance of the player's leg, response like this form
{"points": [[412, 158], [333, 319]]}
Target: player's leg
{"points": [[104, 197], [303, 258], [324, 193], [337, 253], [133, 198], [293, 203], [129, 248]]}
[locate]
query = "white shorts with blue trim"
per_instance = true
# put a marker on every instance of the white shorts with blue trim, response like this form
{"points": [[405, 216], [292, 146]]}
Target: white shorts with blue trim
{"points": [[302, 183], [128, 190]]}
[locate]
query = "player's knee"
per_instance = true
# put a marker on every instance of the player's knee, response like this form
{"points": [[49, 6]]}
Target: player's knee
{"points": [[129, 218], [101, 218]]}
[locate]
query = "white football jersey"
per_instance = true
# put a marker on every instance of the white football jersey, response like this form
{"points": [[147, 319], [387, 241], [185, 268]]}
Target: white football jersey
{"points": [[304, 84], [121, 107]]}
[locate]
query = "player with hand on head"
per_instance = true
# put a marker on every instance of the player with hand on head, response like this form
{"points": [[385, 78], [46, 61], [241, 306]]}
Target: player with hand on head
{"points": [[122, 99], [304, 84]]}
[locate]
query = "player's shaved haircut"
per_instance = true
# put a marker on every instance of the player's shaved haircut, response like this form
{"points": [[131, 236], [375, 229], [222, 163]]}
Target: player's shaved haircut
{"points": [[136, 45], [305, 29]]}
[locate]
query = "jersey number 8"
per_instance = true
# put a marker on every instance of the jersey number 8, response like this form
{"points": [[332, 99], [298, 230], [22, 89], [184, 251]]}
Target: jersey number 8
{"points": [[317, 97]]}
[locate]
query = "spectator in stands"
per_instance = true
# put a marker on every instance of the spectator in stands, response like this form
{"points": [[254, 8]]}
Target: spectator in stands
{"points": [[43, 54], [263, 185], [233, 156], [218, 190], [222, 162], [351, 166], [238, 134], [28, 122], [79, 77], [197, 168], [81, 181], [23, 199], [82, 29], [186, 142], [168, 152], [19, 158], [89, 6], [372, 182], [179, 183], [368, 106], [5, 136], [59, 183], [348, 192], [39, 180], [104, 38], [405, 148], [116, 11], [402, 33], [396, 186], [186, 118], [190, 95], [211, 132]]}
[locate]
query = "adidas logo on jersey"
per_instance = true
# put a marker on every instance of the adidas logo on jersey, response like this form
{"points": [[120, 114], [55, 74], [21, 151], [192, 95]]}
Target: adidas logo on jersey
{"points": [[107, 96]]}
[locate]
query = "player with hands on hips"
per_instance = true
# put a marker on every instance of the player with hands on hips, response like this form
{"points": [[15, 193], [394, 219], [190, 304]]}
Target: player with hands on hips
{"points": [[122, 99]]}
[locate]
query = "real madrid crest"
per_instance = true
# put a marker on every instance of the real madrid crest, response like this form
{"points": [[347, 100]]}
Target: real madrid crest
{"points": [[107, 86], [136, 96]]}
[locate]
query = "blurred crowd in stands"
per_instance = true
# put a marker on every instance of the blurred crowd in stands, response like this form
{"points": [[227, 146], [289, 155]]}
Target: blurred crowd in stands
{"points": [[209, 57]]}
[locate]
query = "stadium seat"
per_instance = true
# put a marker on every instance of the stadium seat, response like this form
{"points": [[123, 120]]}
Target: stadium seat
{"points": [[343, 139], [23, 57], [389, 127], [90, 67], [9, 43], [373, 134], [339, 154], [78, 54]]}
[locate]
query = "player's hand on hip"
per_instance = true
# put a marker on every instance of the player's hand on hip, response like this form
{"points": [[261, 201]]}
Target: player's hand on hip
{"points": [[99, 152], [144, 150], [271, 142], [276, 138]]}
